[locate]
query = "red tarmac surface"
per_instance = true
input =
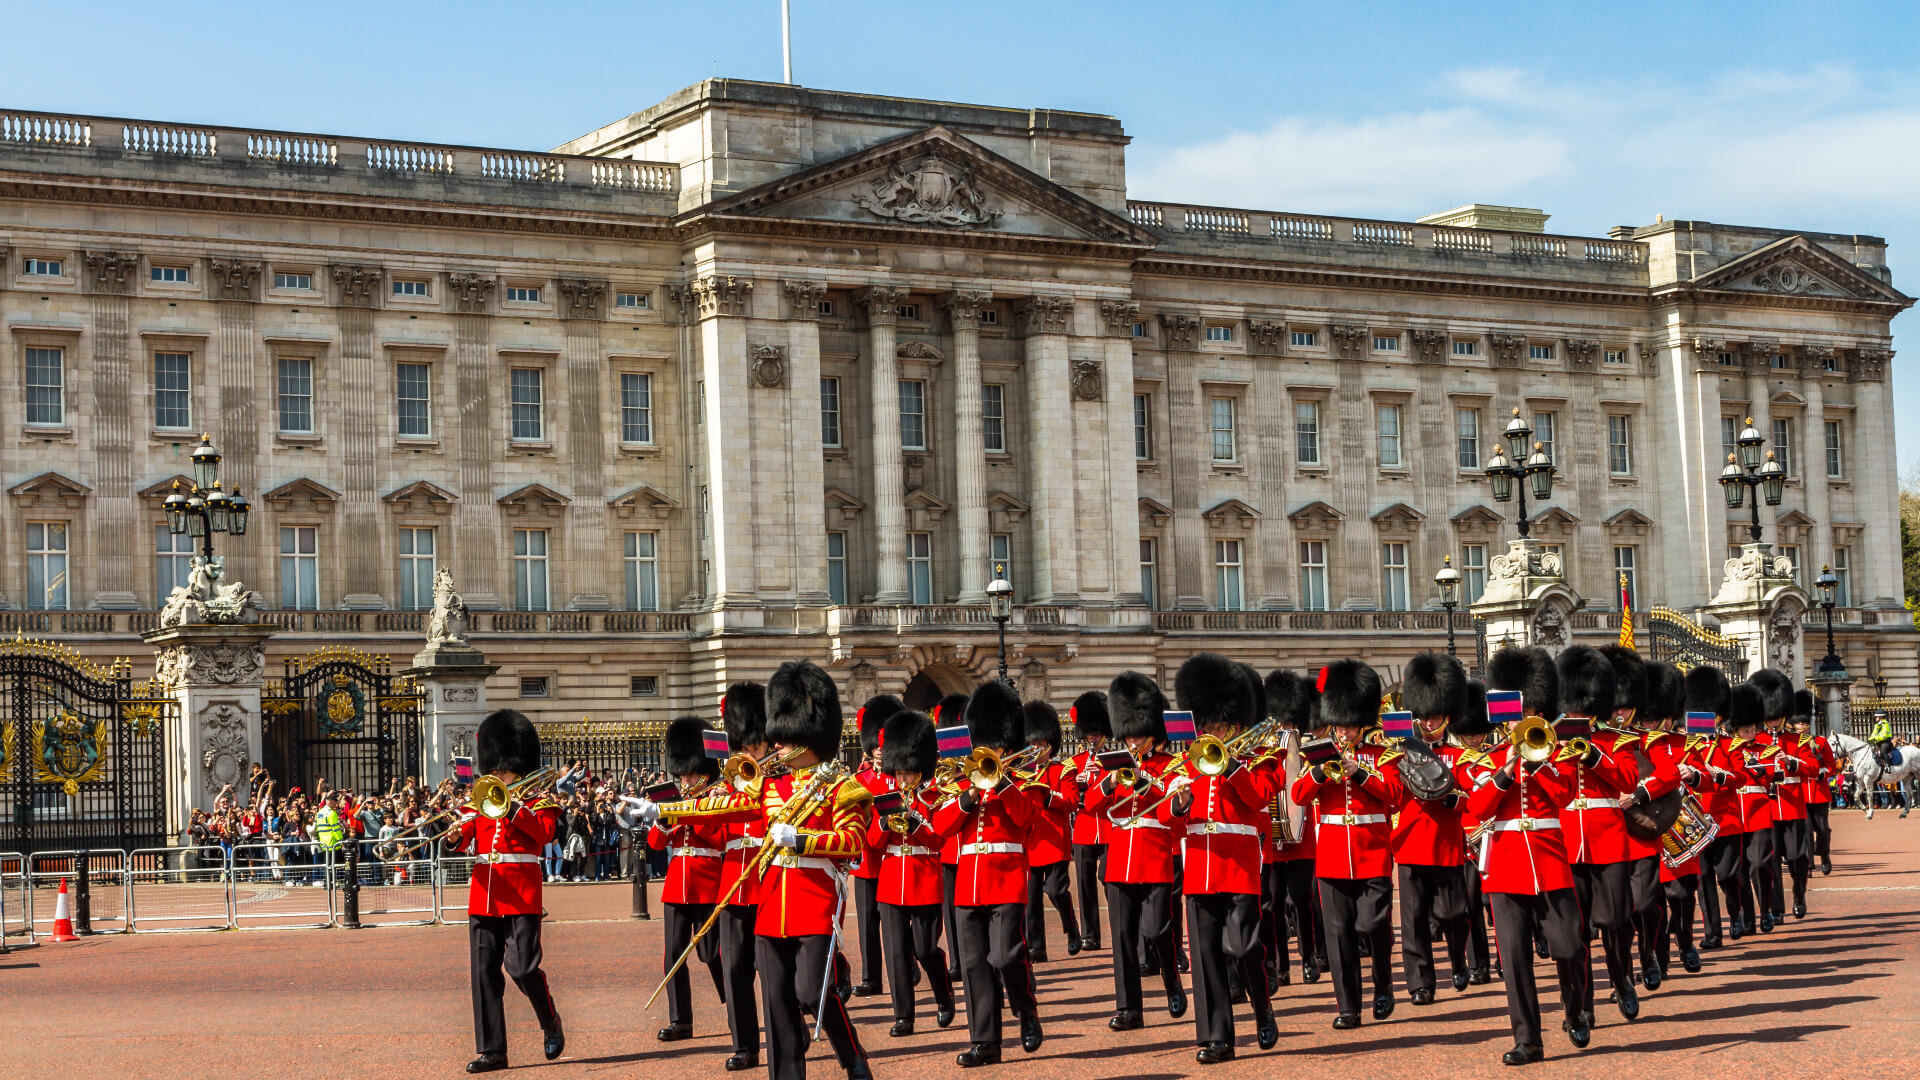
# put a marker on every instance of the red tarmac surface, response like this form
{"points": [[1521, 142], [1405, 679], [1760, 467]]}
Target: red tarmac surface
{"points": [[1835, 994]]}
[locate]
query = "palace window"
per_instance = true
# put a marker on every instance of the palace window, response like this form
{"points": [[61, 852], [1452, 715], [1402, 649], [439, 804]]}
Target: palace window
{"points": [[1543, 434], [1466, 348], [1843, 570], [1227, 570], [913, 414], [1313, 575], [1304, 339], [46, 387], [1143, 427], [172, 562], [1615, 356], [643, 571], [172, 275], [1473, 571], [908, 311], [636, 408], [172, 390], [42, 267], [285, 280], [1466, 427], [530, 569], [1386, 343], [1139, 329], [1149, 575], [633, 301], [1393, 576], [413, 391], [1783, 444], [47, 565], [837, 568], [1000, 557], [523, 294], [300, 567], [830, 412], [919, 568], [1624, 559], [1539, 352], [529, 415], [1836, 462], [993, 417], [1306, 432], [1729, 436], [1620, 445], [1386, 422], [410, 287], [416, 569], [1219, 333], [1221, 412], [296, 395]]}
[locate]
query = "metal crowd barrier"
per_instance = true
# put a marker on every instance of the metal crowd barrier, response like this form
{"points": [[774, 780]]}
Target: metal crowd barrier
{"points": [[179, 888], [15, 918], [298, 888], [401, 892], [450, 878], [100, 908]]}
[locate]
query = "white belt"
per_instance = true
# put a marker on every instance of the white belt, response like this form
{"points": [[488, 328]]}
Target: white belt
{"points": [[1208, 828], [702, 852], [992, 849], [1353, 819], [1143, 823], [741, 842], [1582, 803], [1526, 824], [496, 857], [804, 862], [908, 849], [1753, 790]]}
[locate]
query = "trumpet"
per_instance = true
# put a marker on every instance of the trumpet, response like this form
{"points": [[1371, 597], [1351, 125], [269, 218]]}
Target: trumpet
{"points": [[1533, 739], [1576, 749], [744, 772]]}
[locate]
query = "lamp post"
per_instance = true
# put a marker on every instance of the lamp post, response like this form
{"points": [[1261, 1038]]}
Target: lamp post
{"points": [[1880, 686], [1745, 469], [1448, 579], [1826, 584], [203, 509], [1000, 609], [1536, 469]]}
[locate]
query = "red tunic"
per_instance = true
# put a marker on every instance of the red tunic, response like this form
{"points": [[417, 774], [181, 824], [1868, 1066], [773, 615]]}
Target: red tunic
{"points": [[1225, 828], [506, 865], [1526, 853], [743, 845], [1355, 838], [1656, 758], [1085, 772], [1594, 826], [1430, 833], [1138, 852], [694, 854], [1819, 793], [1467, 774], [877, 782], [910, 864], [1724, 798], [1792, 765], [1052, 793], [1756, 795], [993, 845]]}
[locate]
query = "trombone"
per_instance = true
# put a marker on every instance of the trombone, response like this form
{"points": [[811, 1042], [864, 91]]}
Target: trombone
{"points": [[1533, 739], [744, 772], [490, 797]]}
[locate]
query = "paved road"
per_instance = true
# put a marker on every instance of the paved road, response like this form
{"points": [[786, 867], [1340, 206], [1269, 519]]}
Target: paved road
{"points": [[1838, 993]]}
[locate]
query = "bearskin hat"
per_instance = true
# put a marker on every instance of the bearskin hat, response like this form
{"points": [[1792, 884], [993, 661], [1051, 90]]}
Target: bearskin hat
{"points": [[1586, 682], [1666, 693], [507, 742], [1473, 719], [803, 709], [1707, 690], [1137, 707], [1089, 715], [871, 717], [1211, 687], [1290, 699], [951, 712], [684, 749], [1530, 670], [1776, 692], [1043, 724], [1630, 685], [1349, 694], [1258, 688], [1746, 706], [1802, 705], [907, 743], [1432, 684], [995, 717], [743, 712]]}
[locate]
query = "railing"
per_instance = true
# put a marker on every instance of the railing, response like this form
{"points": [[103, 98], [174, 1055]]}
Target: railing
{"points": [[1552, 247], [538, 168], [1375, 232], [41, 130], [1463, 240], [1287, 227], [1226, 221], [633, 175], [293, 149], [143, 138], [402, 157]]}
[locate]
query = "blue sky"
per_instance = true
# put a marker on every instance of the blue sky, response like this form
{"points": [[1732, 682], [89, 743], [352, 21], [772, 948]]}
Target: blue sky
{"points": [[1783, 114]]}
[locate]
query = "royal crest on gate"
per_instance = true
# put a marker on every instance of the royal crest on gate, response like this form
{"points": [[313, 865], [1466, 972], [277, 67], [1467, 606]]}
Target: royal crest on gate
{"points": [[68, 750], [341, 708], [934, 193]]}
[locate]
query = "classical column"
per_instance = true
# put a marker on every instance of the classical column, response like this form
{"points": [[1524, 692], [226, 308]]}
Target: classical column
{"points": [[1123, 476], [213, 670], [1046, 321], [882, 303], [594, 552], [1754, 355], [1184, 450], [723, 301], [365, 539], [1816, 551], [806, 465], [970, 446], [1875, 569], [120, 549]]}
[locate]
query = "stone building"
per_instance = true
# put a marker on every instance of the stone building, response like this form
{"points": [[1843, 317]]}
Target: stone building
{"points": [[763, 371]]}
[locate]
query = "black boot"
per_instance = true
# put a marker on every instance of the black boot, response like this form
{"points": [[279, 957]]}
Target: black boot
{"points": [[487, 1063], [1420, 996], [1690, 959], [860, 1069], [1214, 1053], [1265, 1028], [674, 1032], [1523, 1055], [1346, 1021], [901, 1029], [1579, 1030], [1629, 1000], [743, 1061], [1383, 1005], [1030, 1034], [977, 1055], [555, 1042], [1126, 1020]]}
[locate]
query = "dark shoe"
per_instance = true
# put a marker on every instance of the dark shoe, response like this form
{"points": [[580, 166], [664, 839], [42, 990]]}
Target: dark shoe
{"points": [[1214, 1053], [1125, 1020], [1799, 909], [1690, 959], [1540, 950], [1267, 1031], [977, 1055], [1421, 996], [900, 1029], [1629, 1002], [743, 1061], [1479, 977], [1037, 956], [1074, 945], [1826, 867], [1030, 1034], [860, 1069], [1651, 977], [1460, 981], [866, 989], [1180, 963], [556, 1040], [1734, 932], [953, 976], [1766, 922], [1310, 972], [674, 1032], [1522, 1055], [1383, 1005], [1580, 1031], [943, 1016], [487, 1063], [1177, 1004], [1710, 941], [1090, 943], [1346, 1021]]}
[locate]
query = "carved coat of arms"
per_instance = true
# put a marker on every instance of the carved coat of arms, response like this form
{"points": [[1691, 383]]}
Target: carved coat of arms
{"points": [[68, 750], [933, 192], [341, 709]]}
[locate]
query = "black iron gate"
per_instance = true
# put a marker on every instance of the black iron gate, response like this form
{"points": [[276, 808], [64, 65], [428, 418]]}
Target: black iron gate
{"points": [[1678, 640], [81, 752], [341, 715], [609, 747]]}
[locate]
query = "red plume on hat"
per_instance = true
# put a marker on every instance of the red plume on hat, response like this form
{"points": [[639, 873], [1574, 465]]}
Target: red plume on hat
{"points": [[1320, 684]]}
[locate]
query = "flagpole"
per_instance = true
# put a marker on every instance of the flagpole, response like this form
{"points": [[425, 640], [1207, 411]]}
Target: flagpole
{"points": [[786, 38]]}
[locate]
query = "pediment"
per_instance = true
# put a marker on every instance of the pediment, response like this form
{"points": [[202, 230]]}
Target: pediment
{"points": [[534, 500], [1231, 512], [924, 509], [643, 500], [1476, 516], [301, 489], [933, 179], [1398, 514], [420, 491], [1556, 520], [165, 487], [1796, 266], [50, 487], [1154, 512], [1794, 519], [1628, 518], [1316, 515]]}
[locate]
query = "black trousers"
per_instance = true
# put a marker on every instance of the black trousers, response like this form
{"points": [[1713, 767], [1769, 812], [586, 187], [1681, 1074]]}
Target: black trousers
{"points": [[1760, 872], [1430, 894], [1792, 842], [1679, 924], [1605, 893], [1090, 870], [1649, 908], [1480, 957], [949, 879], [1821, 829], [1287, 891], [1226, 938], [912, 936], [1140, 917], [681, 920], [737, 971], [1048, 883], [1175, 913], [993, 959], [1726, 864], [1517, 917], [866, 909], [1356, 908], [791, 971], [512, 942]]}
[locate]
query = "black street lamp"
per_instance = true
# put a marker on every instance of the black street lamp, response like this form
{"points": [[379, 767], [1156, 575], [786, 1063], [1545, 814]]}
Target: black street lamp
{"points": [[1448, 579], [1745, 469], [1537, 470], [1880, 685], [1830, 665], [1000, 609], [203, 508]]}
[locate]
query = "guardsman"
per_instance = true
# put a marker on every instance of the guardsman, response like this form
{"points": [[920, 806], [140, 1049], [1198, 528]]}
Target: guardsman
{"points": [[1471, 734], [1819, 785], [1790, 759], [1746, 717], [1429, 843], [909, 861], [993, 818], [951, 712], [1523, 862], [1089, 716], [1680, 883], [1593, 823], [1287, 857], [866, 873], [1054, 797], [743, 712], [1224, 813], [504, 899], [1354, 800], [1140, 849], [1721, 871], [695, 850], [1654, 759]]}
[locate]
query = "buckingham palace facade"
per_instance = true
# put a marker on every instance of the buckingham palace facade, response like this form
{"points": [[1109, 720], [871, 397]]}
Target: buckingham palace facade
{"points": [[763, 372]]}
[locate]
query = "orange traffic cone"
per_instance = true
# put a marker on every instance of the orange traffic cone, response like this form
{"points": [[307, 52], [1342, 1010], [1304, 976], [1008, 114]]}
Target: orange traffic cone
{"points": [[63, 916]]}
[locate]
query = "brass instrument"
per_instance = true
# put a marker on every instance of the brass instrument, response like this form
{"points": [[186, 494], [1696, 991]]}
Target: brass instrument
{"points": [[1533, 739], [745, 772], [1575, 749], [490, 797]]}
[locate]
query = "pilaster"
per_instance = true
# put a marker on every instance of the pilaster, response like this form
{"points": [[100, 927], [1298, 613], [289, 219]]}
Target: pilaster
{"points": [[806, 515], [1123, 486], [1877, 575], [970, 447], [1180, 332], [724, 370], [1046, 322], [881, 304]]}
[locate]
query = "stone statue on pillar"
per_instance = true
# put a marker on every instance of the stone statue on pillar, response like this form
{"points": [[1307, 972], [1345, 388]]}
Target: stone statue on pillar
{"points": [[210, 659], [1760, 604], [453, 674], [1527, 600]]}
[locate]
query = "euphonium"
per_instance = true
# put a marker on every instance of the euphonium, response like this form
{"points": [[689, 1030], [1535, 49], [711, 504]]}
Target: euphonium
{"points": [[1533, 739]]}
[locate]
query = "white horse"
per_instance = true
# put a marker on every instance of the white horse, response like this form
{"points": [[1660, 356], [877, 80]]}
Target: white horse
{"points": [[1868, 770]]}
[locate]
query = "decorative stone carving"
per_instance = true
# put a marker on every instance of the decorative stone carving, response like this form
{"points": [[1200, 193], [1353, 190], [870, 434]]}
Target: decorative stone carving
{"points": [[358, 285], [1783, 637], [1706, 351], [447, 623], [1044, 314], [917, 350], [459, 695], [471, 292], [769, 365], [1756, 562], [1550, 627], [932, 192], [582, 299], [863, 682], [963, 307], [1266, 335], [1758, 354], [225, 663], [1033, 681], [1869, 365], [1790, 279], [1582, 353], [1349, 342], [1088, 380], [1649, 356], [882, 303], [1179, 331], [112, 271], [722, 294], [1815, 359], [233, 279], [683, 302], [1118, 316], [203, 599], [1429, 346], [1519, 563], [803, 298], [1506, 349], [223, 745]]}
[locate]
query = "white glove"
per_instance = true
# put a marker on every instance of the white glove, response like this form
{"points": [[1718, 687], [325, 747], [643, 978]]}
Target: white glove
{"points": [[784, 835], [646, 810]]}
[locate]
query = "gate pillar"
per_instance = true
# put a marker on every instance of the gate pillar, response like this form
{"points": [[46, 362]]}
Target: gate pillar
{"points": [[1527, 600], [1759, 604], [453, 678], [213, 671]]}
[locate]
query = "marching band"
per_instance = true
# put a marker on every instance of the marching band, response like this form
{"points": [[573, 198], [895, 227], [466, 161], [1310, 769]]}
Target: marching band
{"points": [[1563, 800]]}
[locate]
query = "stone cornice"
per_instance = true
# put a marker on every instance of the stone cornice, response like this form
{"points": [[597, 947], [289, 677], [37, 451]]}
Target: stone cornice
{"points": [[704, 226]]}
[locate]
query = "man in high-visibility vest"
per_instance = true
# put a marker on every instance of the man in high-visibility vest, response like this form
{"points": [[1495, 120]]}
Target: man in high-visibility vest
{"points": [[328, 830]]}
